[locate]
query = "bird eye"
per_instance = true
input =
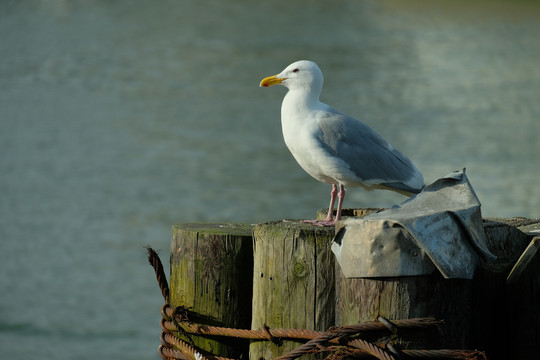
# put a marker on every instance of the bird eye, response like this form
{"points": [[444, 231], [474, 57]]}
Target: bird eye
{"points": [[295, 70]]}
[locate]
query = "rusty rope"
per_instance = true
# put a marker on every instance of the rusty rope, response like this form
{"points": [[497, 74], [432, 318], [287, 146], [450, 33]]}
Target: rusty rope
{"points": [[268, 334], [309, 346], [389, 325], [186, 350], [167, 353], [340, 352], [155, 261], [332, 334], [446, 354], [371, 349]]}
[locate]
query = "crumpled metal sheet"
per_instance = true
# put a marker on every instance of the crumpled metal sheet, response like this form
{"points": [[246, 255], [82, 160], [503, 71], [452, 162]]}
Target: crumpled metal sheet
{"points": [[439, 228]]}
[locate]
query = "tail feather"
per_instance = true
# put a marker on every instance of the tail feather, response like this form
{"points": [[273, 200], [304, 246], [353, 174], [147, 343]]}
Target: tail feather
{"points": [[402, 188]]}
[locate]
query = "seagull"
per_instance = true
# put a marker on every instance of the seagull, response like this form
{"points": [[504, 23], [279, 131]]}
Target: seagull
{"points": [[336, 148]]}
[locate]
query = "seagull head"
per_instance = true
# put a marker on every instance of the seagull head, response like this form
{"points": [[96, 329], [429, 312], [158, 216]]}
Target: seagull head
{"points": [[301, 74]]}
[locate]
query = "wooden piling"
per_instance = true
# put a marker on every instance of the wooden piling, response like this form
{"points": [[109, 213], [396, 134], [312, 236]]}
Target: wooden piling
{"points": [[211, 273], [293, 281], [364, 299], [283, 275]]}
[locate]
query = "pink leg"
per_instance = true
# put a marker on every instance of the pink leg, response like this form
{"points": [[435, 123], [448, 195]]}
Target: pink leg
{"points": [[333, 194], [341, 196], [329, 221]]}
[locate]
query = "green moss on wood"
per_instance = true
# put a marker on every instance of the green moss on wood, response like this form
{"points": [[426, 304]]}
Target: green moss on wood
{"points": [[211, 273], [293, 281]]}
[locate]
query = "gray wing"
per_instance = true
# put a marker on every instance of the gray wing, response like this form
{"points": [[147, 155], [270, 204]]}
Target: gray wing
{"points": [[368, 154]]}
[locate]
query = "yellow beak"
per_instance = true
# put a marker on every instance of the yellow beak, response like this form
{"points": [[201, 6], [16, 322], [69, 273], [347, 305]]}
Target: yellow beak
{"points": [[271, 80]]}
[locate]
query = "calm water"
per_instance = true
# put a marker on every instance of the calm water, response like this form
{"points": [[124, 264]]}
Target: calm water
{"points": [[118, 119]]}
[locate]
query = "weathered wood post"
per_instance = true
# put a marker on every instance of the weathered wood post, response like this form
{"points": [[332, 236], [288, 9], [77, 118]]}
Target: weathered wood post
{"points": [[211, 273], [293, 281], [406, 297]]}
